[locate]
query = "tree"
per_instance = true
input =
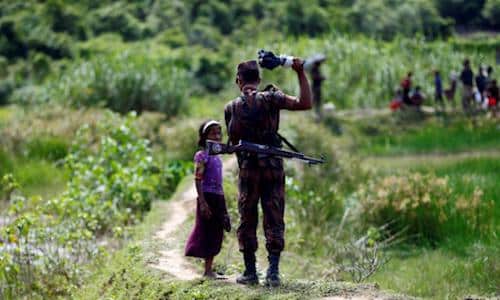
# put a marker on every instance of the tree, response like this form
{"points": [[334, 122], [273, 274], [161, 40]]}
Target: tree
{"points": [[464, 12], [491, 12]]}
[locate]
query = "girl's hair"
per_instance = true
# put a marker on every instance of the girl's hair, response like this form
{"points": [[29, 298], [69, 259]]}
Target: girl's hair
{"points": [[204, 130]]}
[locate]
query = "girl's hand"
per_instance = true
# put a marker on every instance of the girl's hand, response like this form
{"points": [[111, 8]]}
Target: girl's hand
{"points": [[205, 209]]}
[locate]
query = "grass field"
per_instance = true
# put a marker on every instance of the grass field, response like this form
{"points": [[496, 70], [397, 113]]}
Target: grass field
{"points": [[431, 136], [462, 264]]}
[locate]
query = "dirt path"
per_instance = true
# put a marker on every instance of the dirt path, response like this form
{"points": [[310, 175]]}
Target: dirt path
{"points": [[172, 259]]}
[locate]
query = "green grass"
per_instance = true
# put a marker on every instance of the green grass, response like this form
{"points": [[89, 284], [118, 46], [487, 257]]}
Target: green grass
{"points": [[465, 172], [441, 274], [469, 173], [124, 274], [5, 114], [429, 137], [35, 176], [464, 264], [39, 177]]}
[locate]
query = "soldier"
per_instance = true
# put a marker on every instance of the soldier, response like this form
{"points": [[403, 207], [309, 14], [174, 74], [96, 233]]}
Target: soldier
{"points": [[254, 117]]}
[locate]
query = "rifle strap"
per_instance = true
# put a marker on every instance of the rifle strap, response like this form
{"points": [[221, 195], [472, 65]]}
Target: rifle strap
{"points": [[287, 142]]}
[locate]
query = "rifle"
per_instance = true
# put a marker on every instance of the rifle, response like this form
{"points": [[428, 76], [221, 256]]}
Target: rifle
{"points": [[215, 148]]}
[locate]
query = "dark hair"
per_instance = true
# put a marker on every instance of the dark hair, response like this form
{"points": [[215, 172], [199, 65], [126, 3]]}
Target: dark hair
{"points": [[202, 136], [249, 76], [248, 71]]}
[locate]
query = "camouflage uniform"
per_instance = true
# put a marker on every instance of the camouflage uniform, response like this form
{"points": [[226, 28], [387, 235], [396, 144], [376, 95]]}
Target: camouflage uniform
{"points": [[254, 118]]}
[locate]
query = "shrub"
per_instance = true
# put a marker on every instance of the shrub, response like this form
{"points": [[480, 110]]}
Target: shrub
{"points": [[491, 12], [45, 245], [49, 148], [115, 17], [123, 82], [212, 72], [5, 162], [386, 20], [425, 206], [172, 174]]}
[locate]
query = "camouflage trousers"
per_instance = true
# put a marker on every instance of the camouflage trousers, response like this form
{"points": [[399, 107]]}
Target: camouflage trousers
{"points": [[267, 185]]}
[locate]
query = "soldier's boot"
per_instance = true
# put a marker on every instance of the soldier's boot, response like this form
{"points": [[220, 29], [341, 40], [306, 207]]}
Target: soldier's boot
{"points": [[249, 277], [273, 274]]}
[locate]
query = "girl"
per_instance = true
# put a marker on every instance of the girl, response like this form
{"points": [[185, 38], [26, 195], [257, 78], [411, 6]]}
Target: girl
{"points": [[211, 214]]}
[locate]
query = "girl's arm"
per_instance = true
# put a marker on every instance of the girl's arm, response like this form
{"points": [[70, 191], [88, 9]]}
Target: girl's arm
{"points": [[198, 174]]}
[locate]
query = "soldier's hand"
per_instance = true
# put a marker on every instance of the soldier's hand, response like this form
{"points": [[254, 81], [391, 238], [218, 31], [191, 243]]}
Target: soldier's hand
{"points": [[298, 65]]}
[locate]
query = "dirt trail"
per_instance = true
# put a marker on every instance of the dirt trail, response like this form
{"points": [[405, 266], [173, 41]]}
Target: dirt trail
{"points": [[172, 259]]}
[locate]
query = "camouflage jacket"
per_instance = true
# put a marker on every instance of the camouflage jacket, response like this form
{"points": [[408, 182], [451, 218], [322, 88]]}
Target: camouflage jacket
{"points": [[255, 117]]}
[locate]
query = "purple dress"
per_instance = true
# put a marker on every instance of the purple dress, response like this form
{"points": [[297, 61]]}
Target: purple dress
{"points": [[206, 238]]}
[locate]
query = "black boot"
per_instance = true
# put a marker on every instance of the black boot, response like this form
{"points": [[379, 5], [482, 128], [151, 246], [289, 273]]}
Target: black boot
{"points": [[273, 273], [250, 275]]}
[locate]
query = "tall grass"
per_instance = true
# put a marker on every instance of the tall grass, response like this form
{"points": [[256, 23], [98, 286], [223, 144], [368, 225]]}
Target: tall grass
{"points": [[468, 174], [362, 72], [426, 137], [441, 274], [131, 80], [359, 71]]}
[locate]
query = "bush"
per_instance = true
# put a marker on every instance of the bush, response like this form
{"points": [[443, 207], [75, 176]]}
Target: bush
{"points": [[116, 18], [213, 72], [302, 18], [45, 245], [5, 162], [49, 148], [464, 12], [491, 12], [172, 174], [122, 82], [425, 206], [381, 19]]}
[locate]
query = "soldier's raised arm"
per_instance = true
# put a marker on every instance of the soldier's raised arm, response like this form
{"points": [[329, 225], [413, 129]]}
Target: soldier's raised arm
{"points": [[304, 101]]}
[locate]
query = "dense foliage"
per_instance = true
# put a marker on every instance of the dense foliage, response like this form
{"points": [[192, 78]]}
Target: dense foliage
{"points": [[38, 39], [45, 244], [122, 82], [425, 207]]}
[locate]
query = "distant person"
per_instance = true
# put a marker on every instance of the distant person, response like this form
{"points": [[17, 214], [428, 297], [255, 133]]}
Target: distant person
{"points": [[449, 93], [397, 100], [438, 91], [481, 82], [489, 72], [417, 98], [317, 79], [493, 96], [205, 240], [406, 87], [467, 79]]}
